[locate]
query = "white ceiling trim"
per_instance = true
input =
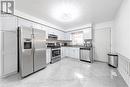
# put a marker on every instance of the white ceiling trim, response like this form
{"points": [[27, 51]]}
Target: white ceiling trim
{"points": [[80, 27], [35, 19]]}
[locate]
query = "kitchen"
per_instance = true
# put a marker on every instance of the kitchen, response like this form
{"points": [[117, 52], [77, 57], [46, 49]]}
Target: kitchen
{"points": [[65, 44]]}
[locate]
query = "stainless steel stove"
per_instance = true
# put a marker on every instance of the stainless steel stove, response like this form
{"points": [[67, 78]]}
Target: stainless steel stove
{"points": [[55, 51], [56, 54]]}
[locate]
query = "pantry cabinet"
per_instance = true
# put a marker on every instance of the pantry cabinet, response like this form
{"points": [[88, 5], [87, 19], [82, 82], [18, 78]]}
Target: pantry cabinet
{"points": [[8, 45], [8, 48]]}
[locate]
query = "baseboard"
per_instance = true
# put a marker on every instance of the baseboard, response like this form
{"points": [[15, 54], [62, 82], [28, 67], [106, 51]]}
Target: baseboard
{"points": [[100, 61], [12, 73]]}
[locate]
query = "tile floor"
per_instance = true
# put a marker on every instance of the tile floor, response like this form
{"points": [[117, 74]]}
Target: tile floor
{"points": [[69, 73]]}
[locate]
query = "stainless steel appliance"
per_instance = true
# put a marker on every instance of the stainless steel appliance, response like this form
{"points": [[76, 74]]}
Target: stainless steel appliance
{"points": [[113, 60], [86, 54], [32, 50], [56, 55], [52, 37], [55, 51], [88, 42]]}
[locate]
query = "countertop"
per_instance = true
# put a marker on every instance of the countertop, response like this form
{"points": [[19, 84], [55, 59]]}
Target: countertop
{"points": [[77, 46]]}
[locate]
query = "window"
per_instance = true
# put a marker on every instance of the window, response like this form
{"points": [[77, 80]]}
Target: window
{"points": [[77, 38]]}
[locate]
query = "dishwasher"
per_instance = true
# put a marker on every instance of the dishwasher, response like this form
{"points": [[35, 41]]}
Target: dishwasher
{"points": [[86, 54]]}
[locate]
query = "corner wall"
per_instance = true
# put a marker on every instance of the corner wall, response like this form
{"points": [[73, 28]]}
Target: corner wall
{"points": [[121, 31], [121, 39]]}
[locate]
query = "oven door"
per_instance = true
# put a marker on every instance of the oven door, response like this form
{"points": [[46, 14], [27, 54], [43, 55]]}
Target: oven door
{"points": [[56, 53]]}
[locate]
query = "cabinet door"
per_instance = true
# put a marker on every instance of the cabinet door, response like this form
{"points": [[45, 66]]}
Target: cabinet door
{"points": [[23, 22], [67, 36], [37, 26], [87, 33], [67, 51], [1, 55], [62, 52], [9, 23], [71, 52], [48, 56], [74, 53], [10, 52]]}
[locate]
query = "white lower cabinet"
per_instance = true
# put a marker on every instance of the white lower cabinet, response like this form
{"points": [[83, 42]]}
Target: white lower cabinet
{"points": [[8, 61], [76, 53], [63, 52], [72, 52], [48, 56]]}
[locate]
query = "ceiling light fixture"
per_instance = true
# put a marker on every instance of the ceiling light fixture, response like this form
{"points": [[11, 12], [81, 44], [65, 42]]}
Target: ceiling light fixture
{"points": [[65, 12]]}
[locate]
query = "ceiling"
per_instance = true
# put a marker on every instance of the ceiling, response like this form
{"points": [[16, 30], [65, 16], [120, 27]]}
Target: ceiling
{"points": [[88, 11]]}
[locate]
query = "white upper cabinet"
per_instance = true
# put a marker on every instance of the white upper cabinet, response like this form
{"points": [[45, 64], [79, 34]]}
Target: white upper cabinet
{"points": [[37, 26], [68, 36], [87, 33], [61, 35], [8, 23], [23, 22]]}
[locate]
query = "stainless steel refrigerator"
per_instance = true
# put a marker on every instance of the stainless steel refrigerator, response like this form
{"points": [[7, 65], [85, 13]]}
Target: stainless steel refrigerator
{"points": [[31, 50]]}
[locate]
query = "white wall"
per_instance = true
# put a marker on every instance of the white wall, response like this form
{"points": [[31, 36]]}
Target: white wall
{"points": [[107, 24], [121, 31], [121, 39]]}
